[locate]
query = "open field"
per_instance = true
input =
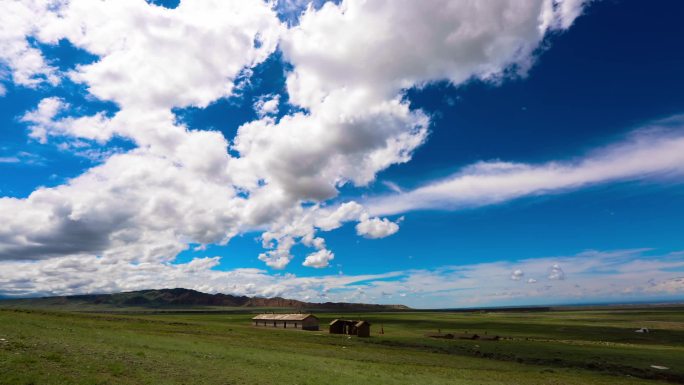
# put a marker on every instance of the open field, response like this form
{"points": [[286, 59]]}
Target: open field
{"points": [[564, 347]]}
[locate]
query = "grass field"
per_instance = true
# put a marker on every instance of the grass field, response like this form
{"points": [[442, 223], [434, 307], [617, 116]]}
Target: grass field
{"points": [[565, 347]]}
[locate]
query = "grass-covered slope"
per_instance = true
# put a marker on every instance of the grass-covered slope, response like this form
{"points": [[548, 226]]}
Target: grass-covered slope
{"points": [[586, 347]]}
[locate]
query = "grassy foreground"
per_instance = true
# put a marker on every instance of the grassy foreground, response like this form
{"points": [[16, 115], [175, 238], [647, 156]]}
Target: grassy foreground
{"points": [[578, 347]]}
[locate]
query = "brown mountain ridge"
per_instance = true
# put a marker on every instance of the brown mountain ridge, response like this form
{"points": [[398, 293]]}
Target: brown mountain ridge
{"points": [[187, 299]]}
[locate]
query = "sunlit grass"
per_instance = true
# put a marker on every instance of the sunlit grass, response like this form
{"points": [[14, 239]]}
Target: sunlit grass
{"points": [[44, 347]]}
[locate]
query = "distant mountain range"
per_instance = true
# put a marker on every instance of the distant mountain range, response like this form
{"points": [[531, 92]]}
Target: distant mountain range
{"points": [[184, 299]]}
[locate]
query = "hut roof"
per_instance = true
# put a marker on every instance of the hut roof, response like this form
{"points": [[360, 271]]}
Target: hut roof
{"points": [[283, 317], [349, 321]]}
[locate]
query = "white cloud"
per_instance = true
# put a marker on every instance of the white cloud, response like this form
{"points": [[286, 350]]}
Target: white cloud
{"points": [[307, 156], [357, 45], [43, 123], [348, 211], [41, 119], [621, 275], [672, 285], [267, 105], [560, 14], [181, 185], [23, 157], [319, 259], [374, 228], [517, 275], [117, 226], [653, 152], [90, 274], [556, 272], [154, 57], [357, 123], [279, 258], [18, 20], [392, 186]]}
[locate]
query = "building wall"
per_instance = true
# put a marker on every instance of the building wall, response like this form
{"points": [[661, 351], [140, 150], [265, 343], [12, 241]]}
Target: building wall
{"points": [[310, 323], [349, 327], [363, 331], [337, 328], [307, 324]]}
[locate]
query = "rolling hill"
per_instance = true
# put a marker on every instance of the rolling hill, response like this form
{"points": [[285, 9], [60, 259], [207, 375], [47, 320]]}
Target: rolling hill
{"points": [[183, 299]]}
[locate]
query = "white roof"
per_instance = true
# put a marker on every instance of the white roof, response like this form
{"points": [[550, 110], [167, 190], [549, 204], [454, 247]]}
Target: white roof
{"points": [[283, 317]]}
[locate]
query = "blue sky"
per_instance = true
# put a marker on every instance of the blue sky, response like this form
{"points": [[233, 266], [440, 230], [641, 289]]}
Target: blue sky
{"points": [[514, 167]]}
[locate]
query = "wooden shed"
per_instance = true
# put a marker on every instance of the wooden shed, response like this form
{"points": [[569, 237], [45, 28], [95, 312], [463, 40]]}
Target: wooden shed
{"points": [[287, 321], [362, 328], [338, 326], [350, 327]]}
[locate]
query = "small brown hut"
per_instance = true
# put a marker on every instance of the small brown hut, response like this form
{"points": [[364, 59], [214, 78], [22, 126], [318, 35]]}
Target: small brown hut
{"points": [[287, 321], [362, 328], [350, 327]]}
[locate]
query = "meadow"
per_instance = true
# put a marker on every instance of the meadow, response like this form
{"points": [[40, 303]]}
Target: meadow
{"points": [[595, 346]]}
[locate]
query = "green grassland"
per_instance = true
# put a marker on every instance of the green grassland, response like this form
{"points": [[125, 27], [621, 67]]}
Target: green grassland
{"points": [[557, 347]]}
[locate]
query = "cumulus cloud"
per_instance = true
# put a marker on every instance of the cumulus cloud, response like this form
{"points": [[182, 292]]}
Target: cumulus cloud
{"points": [[91, 274], [19, 20], [118, 225], [332, 219], [376, 227], [517, 275], [319, 259], [150, 57], [180, 185], [86, 215], [43, 122], [556, 272], [309, 155], [121, 210], [267, 105], [41, 119], [620, 275], [357, 45], [357, 123], [655, 151]]}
